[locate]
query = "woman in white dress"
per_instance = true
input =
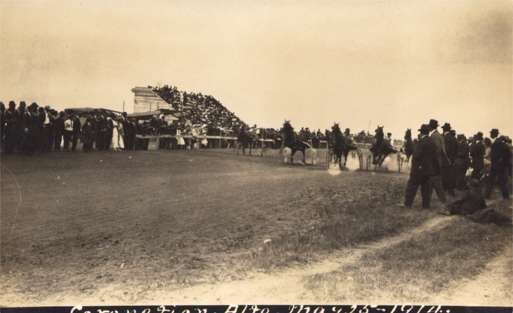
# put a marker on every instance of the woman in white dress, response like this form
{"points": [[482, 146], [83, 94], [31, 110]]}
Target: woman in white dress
{"points": [[180, 141], [117, 139]]}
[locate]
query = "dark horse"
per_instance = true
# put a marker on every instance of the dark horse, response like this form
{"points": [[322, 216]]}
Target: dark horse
{"points": [[290, 141], [408, 145], [338, 146], [245, 140], [349, 146], [380, 148]]}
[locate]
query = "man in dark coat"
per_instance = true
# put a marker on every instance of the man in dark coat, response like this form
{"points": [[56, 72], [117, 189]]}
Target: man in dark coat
{"points": [[88, 135], [501, 163], [451, 149], [58, 131], [100, 130], [76, 132], [43, 135], [11, 128], [51, 117], [462, 162], [2, 126], [35, 125], [424, 167], [130, 133], [441, 156], [126, 130], [109, 130], [22, 123], [477, 153]]}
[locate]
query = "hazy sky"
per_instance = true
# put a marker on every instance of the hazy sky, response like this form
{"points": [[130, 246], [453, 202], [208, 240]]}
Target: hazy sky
{"points": [[360, 63]]}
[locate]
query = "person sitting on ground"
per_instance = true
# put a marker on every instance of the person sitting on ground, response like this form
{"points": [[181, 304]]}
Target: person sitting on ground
{"points": [[473, 205]]}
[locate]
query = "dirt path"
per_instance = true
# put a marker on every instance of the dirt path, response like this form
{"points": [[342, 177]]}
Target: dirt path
{"points": [[492, 287], [287, 286]]}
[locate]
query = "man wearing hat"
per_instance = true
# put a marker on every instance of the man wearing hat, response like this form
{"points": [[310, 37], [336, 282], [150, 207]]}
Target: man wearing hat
{"points": [[424, 167], [46, 131], [451, 148], [441, 156], [501, 162], [11, 128], [477, 153], [462, 162]]}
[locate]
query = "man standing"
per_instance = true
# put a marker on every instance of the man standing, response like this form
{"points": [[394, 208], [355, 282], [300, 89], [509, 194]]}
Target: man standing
{"points": [[109, 131], [22, 124], [58, 130], [461, 163], [47, 136], [477, 153], [35, 126], [441, 156], [2, 126], [451, 148], [11, 128], [68, 132], [126, 130], [501, 162], [100, 130], [76, 132], [88, 135], [424, 167]]}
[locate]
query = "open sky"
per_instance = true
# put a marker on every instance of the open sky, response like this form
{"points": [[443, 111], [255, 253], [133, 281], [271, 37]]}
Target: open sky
{"points": [[361, 63]]}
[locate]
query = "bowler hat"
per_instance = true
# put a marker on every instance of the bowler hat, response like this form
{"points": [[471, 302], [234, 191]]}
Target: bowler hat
{"points": [[446, 126], [494, 132], [433, 123], [424, 129]]}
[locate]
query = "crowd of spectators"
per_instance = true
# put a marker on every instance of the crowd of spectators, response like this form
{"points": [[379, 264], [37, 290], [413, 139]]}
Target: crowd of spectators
{"points": [[35, 129], [204, 112], [198, 109]]}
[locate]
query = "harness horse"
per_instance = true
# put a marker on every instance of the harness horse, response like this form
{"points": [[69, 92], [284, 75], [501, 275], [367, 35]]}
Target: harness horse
{"points": [[245, 140], [291, 142], [380, 148]]}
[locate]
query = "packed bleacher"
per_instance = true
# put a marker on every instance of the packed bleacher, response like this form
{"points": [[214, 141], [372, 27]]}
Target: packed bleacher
{"points": [[198, 109]]}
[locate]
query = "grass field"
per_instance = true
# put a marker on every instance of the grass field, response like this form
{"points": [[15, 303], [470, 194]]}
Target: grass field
{"points": [[73, 224]]}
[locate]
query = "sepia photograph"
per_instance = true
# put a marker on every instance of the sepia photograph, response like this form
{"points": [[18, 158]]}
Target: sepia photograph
{"points": [[289, 152]]}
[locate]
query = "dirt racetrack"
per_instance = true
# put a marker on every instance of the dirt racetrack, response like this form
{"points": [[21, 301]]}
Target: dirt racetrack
{"points": [[130, 227]]}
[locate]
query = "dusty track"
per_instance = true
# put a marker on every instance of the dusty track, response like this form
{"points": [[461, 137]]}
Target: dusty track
{"points": [[286, 286], [289, 286], [183, 228]]}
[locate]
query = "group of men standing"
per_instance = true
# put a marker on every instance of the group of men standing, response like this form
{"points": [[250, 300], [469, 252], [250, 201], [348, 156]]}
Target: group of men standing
{"points": [[36, 129], [30, 129], [440, 162]]}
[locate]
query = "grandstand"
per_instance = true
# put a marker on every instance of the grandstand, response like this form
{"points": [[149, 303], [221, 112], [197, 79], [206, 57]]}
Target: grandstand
{"points": [[190, 108]]}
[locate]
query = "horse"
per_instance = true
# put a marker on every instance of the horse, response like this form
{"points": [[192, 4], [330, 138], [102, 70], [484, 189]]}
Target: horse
{"points": [[408, 145], [380, 148], [349, 146], [244, 141], [291, 142], [337, 146]]}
